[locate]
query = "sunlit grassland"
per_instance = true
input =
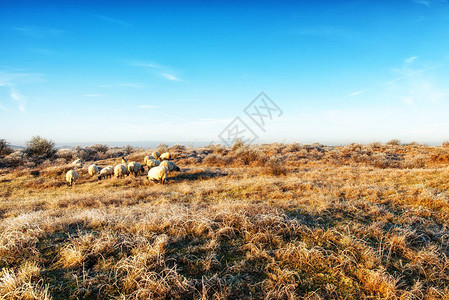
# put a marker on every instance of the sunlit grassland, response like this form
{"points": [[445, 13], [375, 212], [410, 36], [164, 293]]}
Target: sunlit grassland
{"points": [[272, 221]]}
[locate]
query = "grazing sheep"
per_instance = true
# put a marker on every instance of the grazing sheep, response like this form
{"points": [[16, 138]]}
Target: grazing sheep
{"points": [[93, 169], [158, 174], [135, 168], [156, 154], [124, 160], [120, 170], [78, 163], [106, 172], [167, 156], [71, 177], [151, 163], [146, 158], [171, 166]]}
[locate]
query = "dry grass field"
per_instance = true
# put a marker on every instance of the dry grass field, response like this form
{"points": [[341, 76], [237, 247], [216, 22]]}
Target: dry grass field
{"points": [[277, 221]]}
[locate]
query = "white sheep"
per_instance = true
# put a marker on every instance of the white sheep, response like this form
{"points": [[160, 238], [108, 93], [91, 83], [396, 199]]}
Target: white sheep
{"points": [[167, 156], [158, 174], [146, 158], [156, 154], [135, 168], [71, 177], [106, 172], [78, 163], [151, 163], [93, 169], [121, 170], [171, 166]]}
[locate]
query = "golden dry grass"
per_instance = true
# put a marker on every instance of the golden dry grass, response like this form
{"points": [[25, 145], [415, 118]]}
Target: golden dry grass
{"points": [[271, 221]]}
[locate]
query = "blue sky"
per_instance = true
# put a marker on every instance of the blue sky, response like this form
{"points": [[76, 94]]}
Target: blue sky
{"points": [[181, 71]]}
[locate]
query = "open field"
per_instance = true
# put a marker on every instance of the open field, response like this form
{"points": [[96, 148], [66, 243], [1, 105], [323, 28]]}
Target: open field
{"points": [[269, 221]]}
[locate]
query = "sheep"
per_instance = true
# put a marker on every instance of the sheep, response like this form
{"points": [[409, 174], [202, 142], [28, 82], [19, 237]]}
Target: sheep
{"points": [[167, 156], [171, 166], [135, 168], [124, 160], [120, 170], [71, 177], [156, 154], [158, 174], [146, 158], [151, 163], [93, 169], [78, 163], [106, 172]]}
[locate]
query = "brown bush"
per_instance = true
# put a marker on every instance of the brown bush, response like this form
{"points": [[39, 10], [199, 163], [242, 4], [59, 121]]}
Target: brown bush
{"points": [[15, 159], [217, 160], [219, 149], [177, 148], [128, 149], [115, 152], [162, 148], [99, 148], [249, 155], [5, 148], [394, 142], [67, 154], [440, 158], [39, 148], [275, 166], [294, 147], [238, 143]]}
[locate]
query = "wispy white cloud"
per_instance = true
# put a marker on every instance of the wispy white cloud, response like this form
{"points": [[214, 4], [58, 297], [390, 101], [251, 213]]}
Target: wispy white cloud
{"points": [[404, 72], [422, 2], [411, 59], [163, 71], [93, 95], [38, 32], [170, 77], [3, 108], [408, 100], [113, 20], [145, 106], [417, 86], [12, 79], [423, 90], [430, 3], [359, 92], [126, 84], [19, 98], [19, 76], [146, 65]]}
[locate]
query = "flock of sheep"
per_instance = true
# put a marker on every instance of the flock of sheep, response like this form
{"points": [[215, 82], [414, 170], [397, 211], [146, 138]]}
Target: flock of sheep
{"points": [[158, 168]]}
